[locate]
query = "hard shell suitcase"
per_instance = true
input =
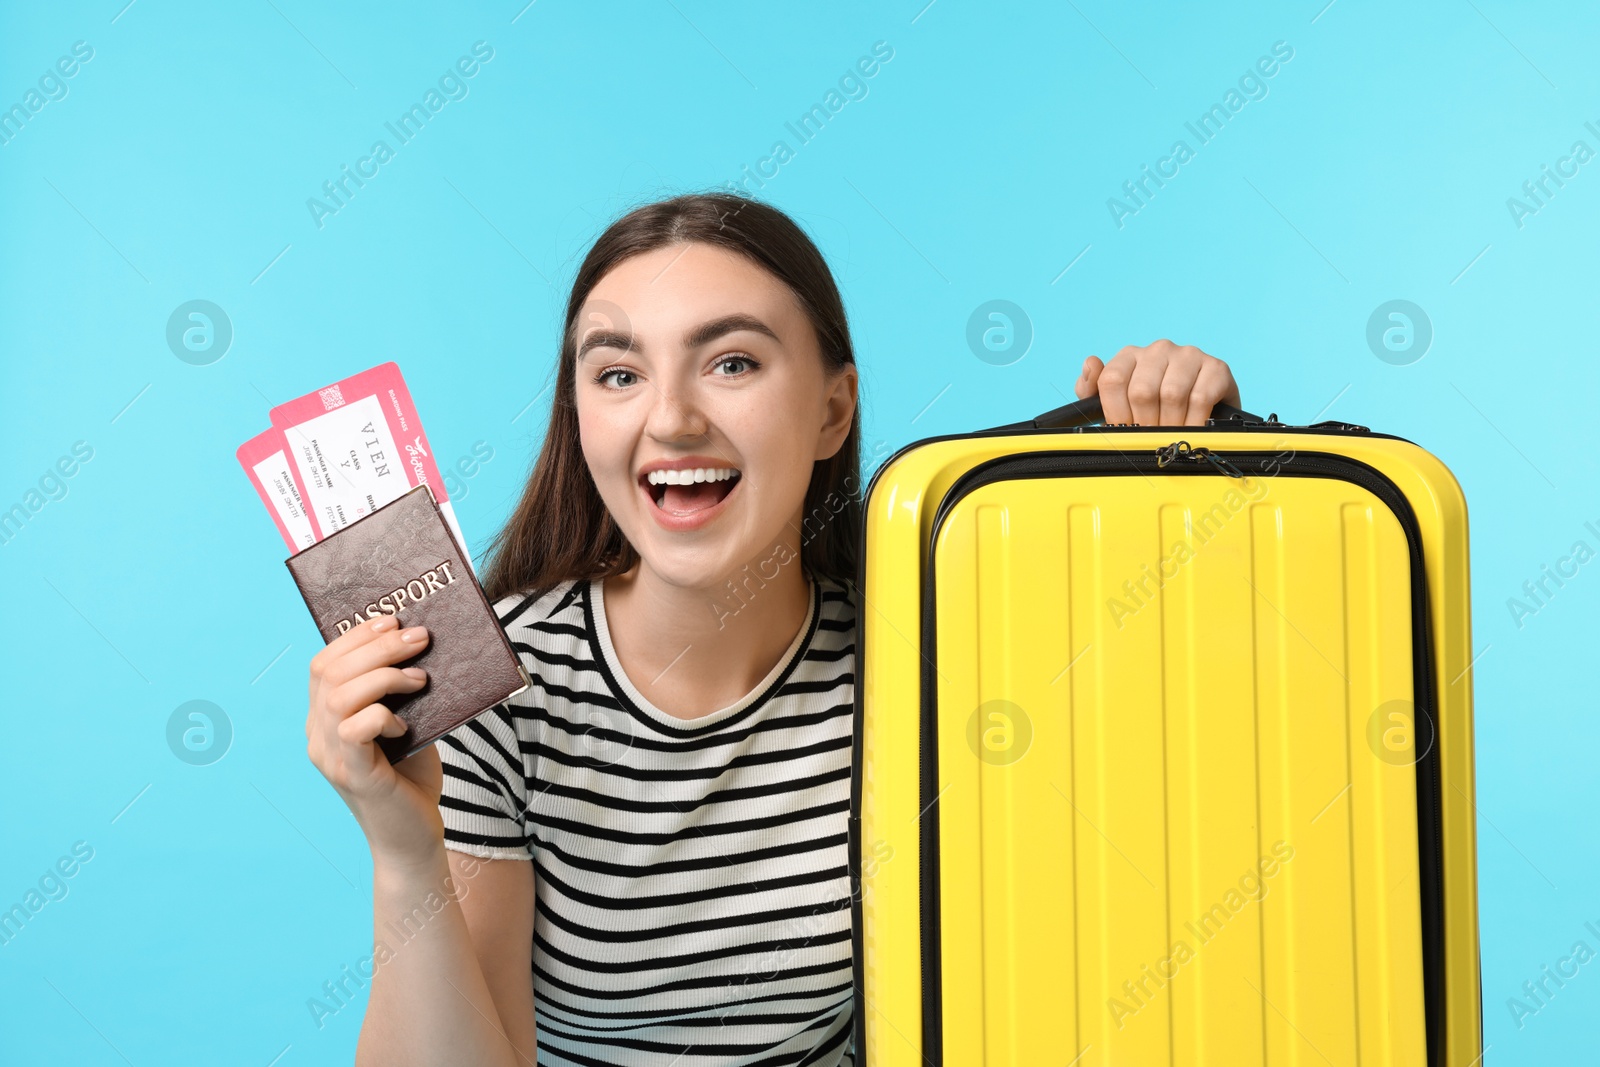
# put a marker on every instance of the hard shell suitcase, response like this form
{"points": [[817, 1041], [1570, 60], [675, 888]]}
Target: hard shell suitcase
{"points": [[1164, 750]]}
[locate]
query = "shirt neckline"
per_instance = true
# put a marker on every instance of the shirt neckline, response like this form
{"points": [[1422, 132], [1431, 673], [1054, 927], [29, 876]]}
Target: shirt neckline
{"points": [[606, 659]]}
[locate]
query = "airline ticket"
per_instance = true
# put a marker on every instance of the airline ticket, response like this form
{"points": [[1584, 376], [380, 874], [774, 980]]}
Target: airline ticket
{"points": [[354, 446], [265, 459]]}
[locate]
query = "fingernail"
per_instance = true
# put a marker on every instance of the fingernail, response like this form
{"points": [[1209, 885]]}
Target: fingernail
{"points": [[384, 622], [413, 672], [416, 633]]}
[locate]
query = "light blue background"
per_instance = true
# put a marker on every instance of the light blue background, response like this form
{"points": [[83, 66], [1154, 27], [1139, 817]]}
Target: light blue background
{"points": [[977, 167]]}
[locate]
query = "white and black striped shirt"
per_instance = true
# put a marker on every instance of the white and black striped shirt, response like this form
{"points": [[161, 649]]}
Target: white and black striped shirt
{"points": [[692, 900]]}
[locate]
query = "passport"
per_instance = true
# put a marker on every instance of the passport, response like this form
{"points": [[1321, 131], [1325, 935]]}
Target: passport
{"points": [[402, 559]]}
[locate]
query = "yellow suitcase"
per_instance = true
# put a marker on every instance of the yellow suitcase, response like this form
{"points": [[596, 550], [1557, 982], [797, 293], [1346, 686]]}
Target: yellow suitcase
{"points": [[1164, 750]]}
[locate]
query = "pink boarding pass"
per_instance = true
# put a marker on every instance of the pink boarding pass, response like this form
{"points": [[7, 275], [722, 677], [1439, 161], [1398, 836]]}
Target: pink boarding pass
{"points": [[358, 444], [265, 459]]}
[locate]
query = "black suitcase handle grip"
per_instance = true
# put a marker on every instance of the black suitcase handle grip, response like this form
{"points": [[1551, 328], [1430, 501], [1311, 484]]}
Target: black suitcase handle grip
{"points": [[1088, 411]]}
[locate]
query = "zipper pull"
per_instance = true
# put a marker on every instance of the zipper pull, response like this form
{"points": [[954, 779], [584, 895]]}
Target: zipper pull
{"points": [[1222, 464], [1182, 450], [1176, 450]]}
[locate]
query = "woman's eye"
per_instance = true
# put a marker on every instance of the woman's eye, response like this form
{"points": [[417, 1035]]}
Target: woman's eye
{"points": [[608, 372], [746, 360], [628, 376]]}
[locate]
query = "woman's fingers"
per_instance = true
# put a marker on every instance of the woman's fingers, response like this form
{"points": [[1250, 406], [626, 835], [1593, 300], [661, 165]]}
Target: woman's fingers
{"points": [[1161, 384], [325, 664], [1086, 386], [348, 715], [1114, 387], [1214, 383], [1183, 368], [1144, 384], [348, 698], [350, 677], [350, 719], [388, 647], [370, 723], [338, 703], [351, 639]]}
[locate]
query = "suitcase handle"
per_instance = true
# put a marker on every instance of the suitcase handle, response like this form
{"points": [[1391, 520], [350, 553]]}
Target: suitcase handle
{"points": [[1087, 412]]}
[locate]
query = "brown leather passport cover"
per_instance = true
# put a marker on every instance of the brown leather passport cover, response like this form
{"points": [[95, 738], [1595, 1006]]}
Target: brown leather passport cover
{"points": [[402, 560]]}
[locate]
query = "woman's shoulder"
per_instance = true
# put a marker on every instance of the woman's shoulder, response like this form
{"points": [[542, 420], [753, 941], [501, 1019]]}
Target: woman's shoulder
{"points": [[548, 632], [531, 607]]}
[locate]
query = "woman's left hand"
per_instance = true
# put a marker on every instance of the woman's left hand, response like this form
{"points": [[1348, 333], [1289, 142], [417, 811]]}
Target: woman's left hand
{"points": [[1161, 384]]}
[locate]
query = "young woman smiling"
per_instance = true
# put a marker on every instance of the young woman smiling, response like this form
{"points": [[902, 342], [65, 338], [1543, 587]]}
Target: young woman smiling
{"points": [[642, 858]]}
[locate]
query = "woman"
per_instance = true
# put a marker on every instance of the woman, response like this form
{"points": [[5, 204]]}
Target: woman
{"points": [[646, 849]]}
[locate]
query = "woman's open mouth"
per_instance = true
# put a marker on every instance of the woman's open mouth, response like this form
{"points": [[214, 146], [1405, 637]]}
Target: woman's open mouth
{"points": [[684, 500]]}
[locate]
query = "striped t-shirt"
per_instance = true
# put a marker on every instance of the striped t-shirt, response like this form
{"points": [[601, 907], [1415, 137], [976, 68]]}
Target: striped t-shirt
{"points": [[692, 891]]}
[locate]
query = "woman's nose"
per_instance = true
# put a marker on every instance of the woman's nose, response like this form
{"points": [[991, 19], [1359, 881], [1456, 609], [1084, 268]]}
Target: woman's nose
{"points": [[676, 412]]}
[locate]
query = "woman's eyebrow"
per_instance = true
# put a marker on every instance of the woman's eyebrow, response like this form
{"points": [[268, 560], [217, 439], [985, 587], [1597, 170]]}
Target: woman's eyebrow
{"points": [[702, 334], [707, 332], [608, 339]]}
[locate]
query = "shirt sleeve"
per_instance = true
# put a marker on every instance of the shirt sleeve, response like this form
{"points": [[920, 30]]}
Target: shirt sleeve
{"points": [[484, 796]]}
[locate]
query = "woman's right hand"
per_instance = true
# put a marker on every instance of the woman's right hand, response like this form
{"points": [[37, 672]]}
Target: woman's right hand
{"points": [[397, 805]]}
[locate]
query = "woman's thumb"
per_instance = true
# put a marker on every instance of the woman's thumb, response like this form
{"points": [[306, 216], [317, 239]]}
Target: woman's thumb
{"points": [[1087, 381]]}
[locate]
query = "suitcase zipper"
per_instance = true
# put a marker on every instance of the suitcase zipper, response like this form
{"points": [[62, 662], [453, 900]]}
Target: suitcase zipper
{"points": [[1180, 450], [1180, 458]]}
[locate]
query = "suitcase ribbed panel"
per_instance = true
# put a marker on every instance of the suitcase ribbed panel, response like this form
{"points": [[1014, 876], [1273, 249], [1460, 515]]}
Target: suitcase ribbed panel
{"points": [[1162, 839], [1039, 914]]}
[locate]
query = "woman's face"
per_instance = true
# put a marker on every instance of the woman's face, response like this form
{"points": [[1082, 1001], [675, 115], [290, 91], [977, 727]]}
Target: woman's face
{"points": [[704, 360]]}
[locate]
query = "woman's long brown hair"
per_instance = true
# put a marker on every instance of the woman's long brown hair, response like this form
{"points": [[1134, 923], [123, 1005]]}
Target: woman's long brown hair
{"points": [[561, 529]]}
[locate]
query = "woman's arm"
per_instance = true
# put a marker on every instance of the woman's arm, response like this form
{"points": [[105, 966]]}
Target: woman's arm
{"points": [[456, 982], [498, 905], [451, 932]]}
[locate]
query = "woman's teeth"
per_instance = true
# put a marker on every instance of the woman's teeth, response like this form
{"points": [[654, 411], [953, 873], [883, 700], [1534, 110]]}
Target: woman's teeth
{"points": [[687, 491], [686, 477]]}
